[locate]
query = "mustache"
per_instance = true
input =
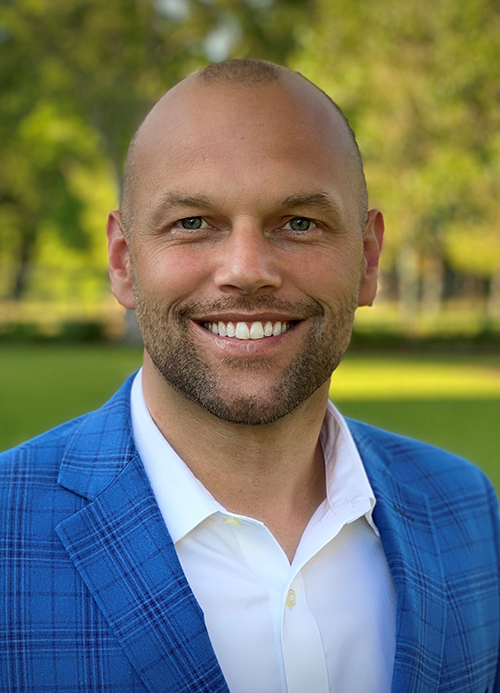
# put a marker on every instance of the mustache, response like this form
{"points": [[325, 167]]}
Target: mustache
{"points": [[299, 310]]}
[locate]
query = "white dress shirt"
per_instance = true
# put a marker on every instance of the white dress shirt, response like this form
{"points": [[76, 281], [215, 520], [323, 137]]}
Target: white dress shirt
{"points": [[325, 623]]}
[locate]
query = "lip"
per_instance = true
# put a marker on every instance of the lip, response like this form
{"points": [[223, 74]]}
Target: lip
{"points": [[239, 317], [246, 347]]}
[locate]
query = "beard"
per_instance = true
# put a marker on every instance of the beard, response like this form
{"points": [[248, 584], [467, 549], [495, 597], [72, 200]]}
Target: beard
{"points": [[169, 344]]}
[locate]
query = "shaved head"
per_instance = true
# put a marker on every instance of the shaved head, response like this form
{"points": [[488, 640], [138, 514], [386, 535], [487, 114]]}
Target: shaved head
{"points": [[242, 72], [250, 75], [244, 202]]}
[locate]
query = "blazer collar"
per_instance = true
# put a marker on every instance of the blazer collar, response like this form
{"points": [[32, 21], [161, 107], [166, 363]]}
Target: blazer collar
{"points": [[100, 447], [404, 519], [123, 552]]}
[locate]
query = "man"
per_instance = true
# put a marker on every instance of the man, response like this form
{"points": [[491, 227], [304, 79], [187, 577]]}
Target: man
{"points": [[218, 525]]}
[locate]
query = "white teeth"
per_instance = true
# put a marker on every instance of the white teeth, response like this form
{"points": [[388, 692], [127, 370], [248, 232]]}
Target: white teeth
{"points": [[242, 331], [256, 330]]}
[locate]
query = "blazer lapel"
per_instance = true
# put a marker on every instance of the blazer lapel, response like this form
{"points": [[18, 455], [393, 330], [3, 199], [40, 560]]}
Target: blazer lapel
{"points": [[121, 547], [404, 520]]}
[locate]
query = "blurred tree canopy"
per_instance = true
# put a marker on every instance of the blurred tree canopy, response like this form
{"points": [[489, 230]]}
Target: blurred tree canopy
{"points": [[418, 81], [77, 76]]}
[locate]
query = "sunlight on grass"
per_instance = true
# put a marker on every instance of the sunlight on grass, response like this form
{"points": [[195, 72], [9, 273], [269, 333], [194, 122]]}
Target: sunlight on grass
{"points": [[376, 378], [451, 401]]}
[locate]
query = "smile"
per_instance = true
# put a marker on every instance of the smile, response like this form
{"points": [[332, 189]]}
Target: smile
{"points": [[248, 330]]}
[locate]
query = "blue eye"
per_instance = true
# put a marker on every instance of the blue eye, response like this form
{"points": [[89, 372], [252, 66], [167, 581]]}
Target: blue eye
{"points": [[300, 224], [191, 223]]}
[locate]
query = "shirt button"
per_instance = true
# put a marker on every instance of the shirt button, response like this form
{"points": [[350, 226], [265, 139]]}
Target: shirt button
{"points": [[232, 521], [291, 598]]}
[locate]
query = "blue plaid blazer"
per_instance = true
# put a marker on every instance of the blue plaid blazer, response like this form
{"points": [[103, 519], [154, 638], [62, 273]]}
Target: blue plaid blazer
{"points": [[94, 600]]}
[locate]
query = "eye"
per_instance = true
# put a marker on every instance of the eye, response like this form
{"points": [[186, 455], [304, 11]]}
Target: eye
{"points": [[300, 224], [192, 223]]}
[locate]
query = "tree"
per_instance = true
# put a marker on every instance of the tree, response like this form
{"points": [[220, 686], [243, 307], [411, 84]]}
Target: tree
{"points": [[419, 83], [76, 78]]}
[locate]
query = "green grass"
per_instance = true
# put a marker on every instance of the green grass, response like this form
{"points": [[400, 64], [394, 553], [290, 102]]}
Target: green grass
{"points": [[452, 402], [42, 386], [469, 428]]}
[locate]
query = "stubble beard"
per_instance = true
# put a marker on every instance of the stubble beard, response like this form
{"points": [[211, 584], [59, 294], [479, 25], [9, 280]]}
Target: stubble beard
{"points": [[170, 346]]}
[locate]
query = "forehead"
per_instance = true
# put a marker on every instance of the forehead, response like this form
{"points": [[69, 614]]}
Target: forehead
{"points": [[227, 139]]}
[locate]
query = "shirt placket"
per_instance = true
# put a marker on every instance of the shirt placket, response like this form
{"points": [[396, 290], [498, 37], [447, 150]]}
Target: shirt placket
{"points": [[303, 658], [303, 652]]}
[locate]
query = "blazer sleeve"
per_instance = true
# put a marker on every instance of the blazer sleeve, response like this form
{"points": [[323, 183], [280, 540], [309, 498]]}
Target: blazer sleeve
{"points": [[496, 529]]}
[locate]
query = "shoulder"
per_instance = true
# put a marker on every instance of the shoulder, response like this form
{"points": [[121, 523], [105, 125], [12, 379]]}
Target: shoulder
{"points": [[430, 469], [42, 454], [414, 482]]}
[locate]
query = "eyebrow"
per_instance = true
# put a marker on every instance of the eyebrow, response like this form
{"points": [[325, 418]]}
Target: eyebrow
{"points": [[320, 200], [173, 200], [180, 200]]}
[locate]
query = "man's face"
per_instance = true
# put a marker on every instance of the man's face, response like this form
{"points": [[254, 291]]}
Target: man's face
{"points": [[246, 223]]}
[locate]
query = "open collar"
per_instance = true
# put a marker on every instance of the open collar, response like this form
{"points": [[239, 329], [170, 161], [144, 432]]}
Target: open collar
{"points": [[183, 500], [121, 548]]}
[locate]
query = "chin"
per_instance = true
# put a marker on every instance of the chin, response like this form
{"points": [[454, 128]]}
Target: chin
{"points": [[247, 411], [252, 392]]}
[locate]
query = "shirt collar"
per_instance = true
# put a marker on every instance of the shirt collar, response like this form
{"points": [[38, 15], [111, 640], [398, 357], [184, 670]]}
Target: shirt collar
{"points": [[347, 484], [184, 502]]}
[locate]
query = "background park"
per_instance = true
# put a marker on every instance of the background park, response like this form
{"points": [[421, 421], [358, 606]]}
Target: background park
{"points": [[418, 81]]}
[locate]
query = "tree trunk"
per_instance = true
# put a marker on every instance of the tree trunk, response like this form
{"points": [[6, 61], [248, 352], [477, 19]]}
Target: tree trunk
{"points": [[408, 275], [433, 286], [493, 305], [23, 267]]}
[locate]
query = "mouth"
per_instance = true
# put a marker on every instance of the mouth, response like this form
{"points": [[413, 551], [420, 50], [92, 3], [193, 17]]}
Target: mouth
{"points": [[244, 330]]}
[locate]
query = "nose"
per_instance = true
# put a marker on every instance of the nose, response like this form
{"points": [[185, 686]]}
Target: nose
{"points": [[247, 263]]}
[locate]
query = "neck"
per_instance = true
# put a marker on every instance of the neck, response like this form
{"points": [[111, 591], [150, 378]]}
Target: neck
{"points": [[273, 473]]}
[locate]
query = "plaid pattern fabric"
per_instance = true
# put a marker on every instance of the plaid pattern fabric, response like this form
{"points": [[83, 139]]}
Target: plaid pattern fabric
{"points": [[93, 598], [438, 520]]}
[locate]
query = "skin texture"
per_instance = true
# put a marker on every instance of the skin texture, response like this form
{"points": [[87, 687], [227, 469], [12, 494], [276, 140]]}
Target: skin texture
{"points": [[247, 159]]}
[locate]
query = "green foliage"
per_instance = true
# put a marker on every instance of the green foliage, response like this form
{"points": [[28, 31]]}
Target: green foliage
{"points": [[76, 78], [418, 81]]}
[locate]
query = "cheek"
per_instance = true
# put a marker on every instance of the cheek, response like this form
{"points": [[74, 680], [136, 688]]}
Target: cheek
{"points": [[172, 273], [327, 276]]}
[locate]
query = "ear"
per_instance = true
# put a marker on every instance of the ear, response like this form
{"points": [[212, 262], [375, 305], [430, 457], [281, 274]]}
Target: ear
{"points": [[120, 271], [372, 245]]}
